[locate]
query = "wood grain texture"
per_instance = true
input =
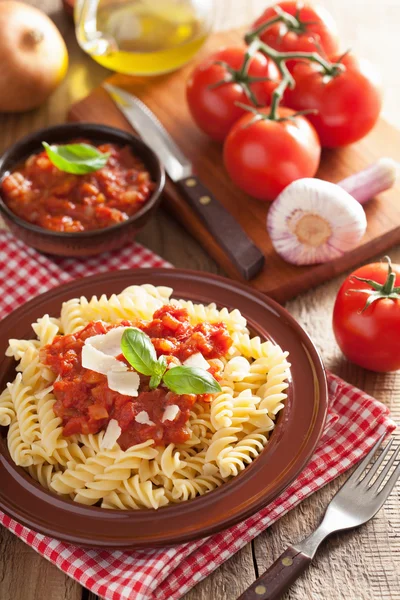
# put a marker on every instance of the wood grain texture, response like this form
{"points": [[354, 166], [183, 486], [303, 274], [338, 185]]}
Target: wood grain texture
{"points": [[25, 575], [360, 565], [278, 279]]}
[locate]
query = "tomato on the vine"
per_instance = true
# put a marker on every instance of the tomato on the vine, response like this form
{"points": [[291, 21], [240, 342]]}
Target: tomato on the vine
{"points": [[366, 317], [347, 104], [262, 156], [213, 89], [317, 31]]}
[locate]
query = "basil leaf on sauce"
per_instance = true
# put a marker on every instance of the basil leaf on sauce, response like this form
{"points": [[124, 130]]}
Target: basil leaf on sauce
{"points": [[138, 350], [159, 369], [78, 159], [190, 380]]}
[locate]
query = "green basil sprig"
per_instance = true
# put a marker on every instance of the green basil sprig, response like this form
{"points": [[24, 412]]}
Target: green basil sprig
{"points": [[139, 351], [78, 159]]}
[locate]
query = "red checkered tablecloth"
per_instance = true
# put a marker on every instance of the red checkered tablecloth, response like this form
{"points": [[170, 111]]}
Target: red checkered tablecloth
{"points": [[355, 422]]}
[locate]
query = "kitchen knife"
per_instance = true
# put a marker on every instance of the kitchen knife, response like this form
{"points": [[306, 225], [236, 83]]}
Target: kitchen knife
{"points": [[247, 258]]}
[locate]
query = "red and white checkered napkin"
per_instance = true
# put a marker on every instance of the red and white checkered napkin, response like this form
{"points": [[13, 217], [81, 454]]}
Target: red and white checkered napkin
{"points": [[355, 423]]}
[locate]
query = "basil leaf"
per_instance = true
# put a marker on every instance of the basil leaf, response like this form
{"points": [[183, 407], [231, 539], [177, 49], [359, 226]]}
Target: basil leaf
{"points": [[138, 350], [158, 372], [190, 380], [78, 159]]}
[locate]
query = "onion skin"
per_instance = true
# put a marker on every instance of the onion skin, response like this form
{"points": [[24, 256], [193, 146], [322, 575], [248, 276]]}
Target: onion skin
{"points": [[34, 58]]}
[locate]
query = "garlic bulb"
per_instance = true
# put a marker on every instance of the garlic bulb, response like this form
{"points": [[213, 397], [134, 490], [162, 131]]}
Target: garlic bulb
{"points": [[313, 221]]}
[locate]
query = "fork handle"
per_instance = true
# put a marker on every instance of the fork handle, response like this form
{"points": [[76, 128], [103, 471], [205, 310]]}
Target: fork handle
{"points": [[279, 577]]}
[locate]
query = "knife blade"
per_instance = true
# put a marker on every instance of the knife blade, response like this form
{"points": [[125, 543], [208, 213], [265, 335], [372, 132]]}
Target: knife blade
{"points": [[242, 251]]}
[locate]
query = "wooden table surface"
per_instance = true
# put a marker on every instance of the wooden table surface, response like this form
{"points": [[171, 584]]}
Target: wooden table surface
{"points": [[360, 565]]}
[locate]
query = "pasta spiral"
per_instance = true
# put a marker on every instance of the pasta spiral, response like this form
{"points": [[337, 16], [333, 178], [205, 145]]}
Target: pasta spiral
{"points": [[20, 451], [222, 408], [234, 459], [169, 460], [144, 493], [185, 489], [26, 409], [7, 411], [77, 476], [33, 372], [71, 316], [42, 473], [50, 426], [46, 329], [72, 454], [17, 348], [199, 313]]}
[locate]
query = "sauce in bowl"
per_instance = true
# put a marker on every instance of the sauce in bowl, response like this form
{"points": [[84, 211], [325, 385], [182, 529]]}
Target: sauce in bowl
{"points": [[40, 193]]}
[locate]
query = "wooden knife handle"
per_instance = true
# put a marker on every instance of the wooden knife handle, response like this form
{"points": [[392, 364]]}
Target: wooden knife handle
{"points": [[227, 232], [279, 577]]}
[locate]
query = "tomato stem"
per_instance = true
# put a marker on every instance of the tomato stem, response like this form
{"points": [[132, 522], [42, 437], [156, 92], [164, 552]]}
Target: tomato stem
{"points": [[267, 117], [379, 291], [252, 49], [389, 284], [281, 57], [255, 33], [293, 23], [276, 98], [240, 76]]}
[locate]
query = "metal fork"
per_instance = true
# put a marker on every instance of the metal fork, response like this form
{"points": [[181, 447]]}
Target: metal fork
{"points": [[356, 502]]}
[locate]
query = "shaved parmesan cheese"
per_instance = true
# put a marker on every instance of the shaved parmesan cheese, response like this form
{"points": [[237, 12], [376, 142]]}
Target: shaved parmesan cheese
{"points": [[118, 367], [111, 435], [174, 362], [108, 343], [99, 362], [197, 360], [40, 395], [143, 418], [126, 383], [170, 413]]}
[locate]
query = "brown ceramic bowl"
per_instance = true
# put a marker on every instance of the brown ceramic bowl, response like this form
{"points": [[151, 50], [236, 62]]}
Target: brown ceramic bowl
{"points": [[292, 443], [85, 243]]}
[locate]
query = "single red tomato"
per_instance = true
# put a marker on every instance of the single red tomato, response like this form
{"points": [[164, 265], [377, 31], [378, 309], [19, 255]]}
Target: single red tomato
{"points": [[213, 106], [317, 31], [347, 105], [263, 156], [366, 317]]}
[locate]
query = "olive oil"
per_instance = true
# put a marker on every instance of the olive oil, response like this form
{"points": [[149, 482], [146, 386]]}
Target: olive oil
{"points": [[146, 37]]}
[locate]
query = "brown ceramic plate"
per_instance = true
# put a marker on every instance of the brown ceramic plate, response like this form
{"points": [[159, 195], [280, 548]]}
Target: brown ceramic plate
{"points": [[292, 443]]}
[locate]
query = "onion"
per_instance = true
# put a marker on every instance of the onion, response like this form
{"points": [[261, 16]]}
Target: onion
{"points": [[34, 58]]}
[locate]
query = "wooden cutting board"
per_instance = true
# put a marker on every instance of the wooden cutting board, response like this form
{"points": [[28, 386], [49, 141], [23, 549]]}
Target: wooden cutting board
{"points": [[165, 95]]}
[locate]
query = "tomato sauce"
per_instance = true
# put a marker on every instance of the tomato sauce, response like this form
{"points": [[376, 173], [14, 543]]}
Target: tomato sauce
{"points": [[85, 403], [41, 194]]}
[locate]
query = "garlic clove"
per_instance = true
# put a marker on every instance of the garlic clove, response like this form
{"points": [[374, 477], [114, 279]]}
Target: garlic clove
{"points": [[314, 221], [373, 180]]}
